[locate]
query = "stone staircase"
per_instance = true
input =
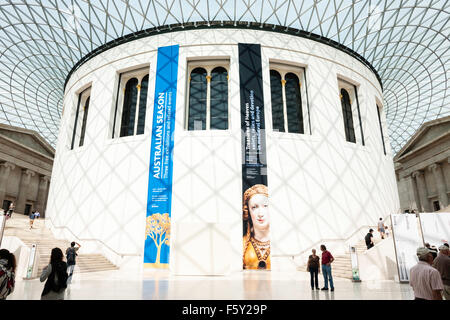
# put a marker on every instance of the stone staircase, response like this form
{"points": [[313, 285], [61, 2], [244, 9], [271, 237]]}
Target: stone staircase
{"points": [[18, 226], [342, 264]]}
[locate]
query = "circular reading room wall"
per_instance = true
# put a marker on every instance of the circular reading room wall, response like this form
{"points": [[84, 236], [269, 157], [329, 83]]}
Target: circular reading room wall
{"points": [[219, 150]]}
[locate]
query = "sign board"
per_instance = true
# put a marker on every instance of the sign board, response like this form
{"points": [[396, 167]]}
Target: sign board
{"points": [[255, 206], [159, 199], [406, 241], [435, 228]]}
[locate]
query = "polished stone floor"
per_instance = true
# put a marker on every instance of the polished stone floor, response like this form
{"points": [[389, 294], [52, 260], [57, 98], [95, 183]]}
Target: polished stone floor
{"points": [[249, 285]]}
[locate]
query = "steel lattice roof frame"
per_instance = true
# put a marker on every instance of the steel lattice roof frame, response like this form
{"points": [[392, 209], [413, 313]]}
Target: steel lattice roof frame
{"points": [[406, 41]]}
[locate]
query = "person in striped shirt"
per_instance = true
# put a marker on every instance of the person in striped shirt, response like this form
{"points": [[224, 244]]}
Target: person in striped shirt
{"points": [[424, 279]]}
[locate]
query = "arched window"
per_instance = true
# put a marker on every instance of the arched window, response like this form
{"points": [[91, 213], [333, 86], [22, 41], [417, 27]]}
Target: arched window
{"points": [[219, 99], [142, 105], [129, 108], [293, 103], [276, 92], [85, 115], [131, 103], [197, 99], [348, 116]]}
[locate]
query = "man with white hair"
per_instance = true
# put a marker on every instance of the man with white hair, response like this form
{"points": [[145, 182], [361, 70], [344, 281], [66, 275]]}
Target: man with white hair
{"points": [[424, 279], [442, 264]]}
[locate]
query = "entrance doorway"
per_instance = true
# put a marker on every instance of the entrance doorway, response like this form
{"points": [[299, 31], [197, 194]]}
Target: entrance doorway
{"points": [[6, 204], [27, 209], [436, 206]]}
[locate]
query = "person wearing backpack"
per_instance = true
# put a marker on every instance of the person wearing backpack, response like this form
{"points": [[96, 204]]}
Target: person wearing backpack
{"points": [[71, 254], [56, 275], [7, 273]]}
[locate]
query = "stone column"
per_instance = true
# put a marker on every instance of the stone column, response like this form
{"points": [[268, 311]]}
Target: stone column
{"points": [[441, 188], [410, 190], [418, 206], [42, 194], [5, 170], [23, 190], [422, 190]]}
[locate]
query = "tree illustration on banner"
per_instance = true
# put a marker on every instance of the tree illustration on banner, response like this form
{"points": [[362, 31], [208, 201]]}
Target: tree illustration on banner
{"points": [[158, 229]]}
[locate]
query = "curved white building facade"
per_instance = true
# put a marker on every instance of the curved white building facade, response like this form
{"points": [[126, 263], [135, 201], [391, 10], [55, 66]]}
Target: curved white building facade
{"points": [[325, 184]]}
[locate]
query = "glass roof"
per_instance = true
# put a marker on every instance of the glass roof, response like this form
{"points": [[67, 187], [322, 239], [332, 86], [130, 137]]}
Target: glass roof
{"points": [[406, 41]]}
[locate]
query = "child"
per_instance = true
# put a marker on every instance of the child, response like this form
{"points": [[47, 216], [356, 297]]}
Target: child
{"points": [[386, 231]]}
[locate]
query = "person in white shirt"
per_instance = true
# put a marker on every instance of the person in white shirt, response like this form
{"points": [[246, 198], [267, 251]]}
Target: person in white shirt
{"points": [[424, 279]]}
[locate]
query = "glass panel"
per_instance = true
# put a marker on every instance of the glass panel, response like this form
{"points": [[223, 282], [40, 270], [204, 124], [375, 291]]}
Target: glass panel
{"points": [[197, 100], [348, 116], [219, 99], [142, 105], [293, 104], [276, 92], [129, 108], [85, 115]]}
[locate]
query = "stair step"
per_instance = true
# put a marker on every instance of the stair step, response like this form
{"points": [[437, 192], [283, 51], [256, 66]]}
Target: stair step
{"points": [[18, 226]]}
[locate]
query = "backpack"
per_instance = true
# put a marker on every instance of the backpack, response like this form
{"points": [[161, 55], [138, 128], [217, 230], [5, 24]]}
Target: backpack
{"points": [[6, 283], [71, 256]]}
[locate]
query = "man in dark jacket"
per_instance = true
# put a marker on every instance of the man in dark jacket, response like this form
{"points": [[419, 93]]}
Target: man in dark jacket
{"points": [[369, 239]]}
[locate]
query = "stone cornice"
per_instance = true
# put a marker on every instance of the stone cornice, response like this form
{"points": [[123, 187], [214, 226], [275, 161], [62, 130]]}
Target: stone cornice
{"points": [[421, 148], [7, 140], [418, 133], [41, 140]]}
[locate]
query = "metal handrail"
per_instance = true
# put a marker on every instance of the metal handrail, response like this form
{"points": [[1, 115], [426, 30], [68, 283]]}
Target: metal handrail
{"points": [[321, 241], [87, 239]]}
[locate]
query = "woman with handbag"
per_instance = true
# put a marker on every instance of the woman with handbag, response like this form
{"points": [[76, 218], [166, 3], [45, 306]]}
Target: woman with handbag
{"points": [[314, 269]]}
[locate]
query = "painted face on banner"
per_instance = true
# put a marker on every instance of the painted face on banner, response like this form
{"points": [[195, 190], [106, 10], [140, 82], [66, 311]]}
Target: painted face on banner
{"points": [[259, 211]]}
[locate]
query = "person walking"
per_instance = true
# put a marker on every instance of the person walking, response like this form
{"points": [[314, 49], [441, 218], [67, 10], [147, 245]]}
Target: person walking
{"points": [[442, 264], [71, 254], [32, 217], [11, 209], [369, 239], [327, 259], [381, 227], [7, 273], [56, 275], [314, 269], [424, 279]]}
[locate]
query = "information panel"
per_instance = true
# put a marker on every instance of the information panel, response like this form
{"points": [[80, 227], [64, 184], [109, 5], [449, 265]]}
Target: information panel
{"points": [[435, 228], [159, 201], [255, 207], [355, 267], [406, 240]]}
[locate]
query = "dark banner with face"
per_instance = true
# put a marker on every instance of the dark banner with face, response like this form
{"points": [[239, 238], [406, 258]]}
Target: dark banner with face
{"points": [[256, 233]]}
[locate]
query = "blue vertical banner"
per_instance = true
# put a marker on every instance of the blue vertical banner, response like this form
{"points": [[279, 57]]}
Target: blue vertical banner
{"points": [[159, 201]]}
